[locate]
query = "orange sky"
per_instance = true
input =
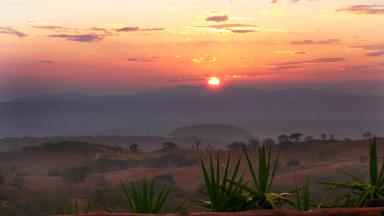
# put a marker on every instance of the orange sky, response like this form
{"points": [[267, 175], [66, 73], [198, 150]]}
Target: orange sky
{"points": [[129, 44]]}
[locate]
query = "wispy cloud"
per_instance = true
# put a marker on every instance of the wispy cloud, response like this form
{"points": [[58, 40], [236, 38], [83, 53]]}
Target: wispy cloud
{"points": [[289, 52], [286, 67], [314, 42], [44, 61], [233, 27], [136, 29], [364, 9], [217, 18], [204, 59], [143, 59], [229, 25], [291, 1], [242, 30], [79, 37], [370, 47], [128, 29], [311, 61], [50, 27], [11, 31], [376, 54], [376, 50]]}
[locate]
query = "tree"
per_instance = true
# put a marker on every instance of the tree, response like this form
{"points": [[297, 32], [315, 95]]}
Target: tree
{"points": [[198, 143], [283, 138], [331, 136], [367, 135], [237, 145], [133, 148], [169, 146], [75, 174], [293, 163], [268, 142], [309, 138], [323, 137], [327, 154], [2, 179], [18, 182], [254, 143], [295, 137]]}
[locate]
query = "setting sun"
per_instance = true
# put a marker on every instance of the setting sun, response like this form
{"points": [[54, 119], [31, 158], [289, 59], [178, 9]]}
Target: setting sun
{"points": [[214, 81]]}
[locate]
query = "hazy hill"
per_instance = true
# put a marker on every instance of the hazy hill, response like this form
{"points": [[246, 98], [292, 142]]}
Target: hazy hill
{"points": [[213, 131], [158, 113]]}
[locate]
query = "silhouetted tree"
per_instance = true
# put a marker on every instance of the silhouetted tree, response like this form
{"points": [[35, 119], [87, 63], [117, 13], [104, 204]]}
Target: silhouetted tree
{"points": [[253, 143], [198, 143], [169, 146], [237, 145], [295, 137], [134, 148], [293, 163], [283, 138], [323, 137], [367, 135], [268, 142], [331, 136], [75, 174], [18, 182], [2, 179], [309, 138], [330, 154]]}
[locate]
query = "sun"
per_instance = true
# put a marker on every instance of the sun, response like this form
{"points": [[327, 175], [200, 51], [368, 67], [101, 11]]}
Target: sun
{"points": [[214, 81]]}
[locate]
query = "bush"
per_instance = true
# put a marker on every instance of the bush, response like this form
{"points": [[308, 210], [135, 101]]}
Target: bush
{"points": [[293, 163], [2, 179], [108, 164], [54, 172], [75, 174], [168, 161]]}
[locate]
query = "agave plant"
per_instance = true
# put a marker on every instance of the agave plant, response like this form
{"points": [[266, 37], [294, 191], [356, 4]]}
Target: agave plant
{"points": [[69, 208], [362, 192], [223, 189], [260, 195], [302, 200], [142, 196]]}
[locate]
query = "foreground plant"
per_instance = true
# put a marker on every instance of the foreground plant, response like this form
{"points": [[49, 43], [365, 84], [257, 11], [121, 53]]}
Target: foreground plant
{"points": [[69, 208], [260, 196], [223, 189], [362, 192], [302, 200], [143, 197]]}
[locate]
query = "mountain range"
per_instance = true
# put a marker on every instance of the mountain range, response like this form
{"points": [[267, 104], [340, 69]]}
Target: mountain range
{"points": [[159, 112]]}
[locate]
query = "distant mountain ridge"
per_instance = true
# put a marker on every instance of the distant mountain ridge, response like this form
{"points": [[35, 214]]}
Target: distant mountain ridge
{"points": [[223, 132], [159, 112]]}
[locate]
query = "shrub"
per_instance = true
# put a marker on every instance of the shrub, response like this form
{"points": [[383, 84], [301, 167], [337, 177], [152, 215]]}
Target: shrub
{"points": [[168, 161], [169, 146], [2, 179], [260, 195], [54, 172], [144, 197], [69, 208], [223, 189], [75, 174], [293, 163], [362, 192]]}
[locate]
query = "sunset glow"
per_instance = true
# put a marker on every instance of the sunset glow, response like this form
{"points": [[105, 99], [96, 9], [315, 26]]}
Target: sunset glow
{"points": [[213, 81], [136, 45]]}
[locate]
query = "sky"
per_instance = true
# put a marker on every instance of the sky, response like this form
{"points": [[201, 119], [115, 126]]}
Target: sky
{"points": [[121, 46]]}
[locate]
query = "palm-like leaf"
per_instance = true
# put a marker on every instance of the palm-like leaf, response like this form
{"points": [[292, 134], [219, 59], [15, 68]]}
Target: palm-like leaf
{"points": [[142, 196], [262, 178], [223, 189], [69, 208], [362, 191]]}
